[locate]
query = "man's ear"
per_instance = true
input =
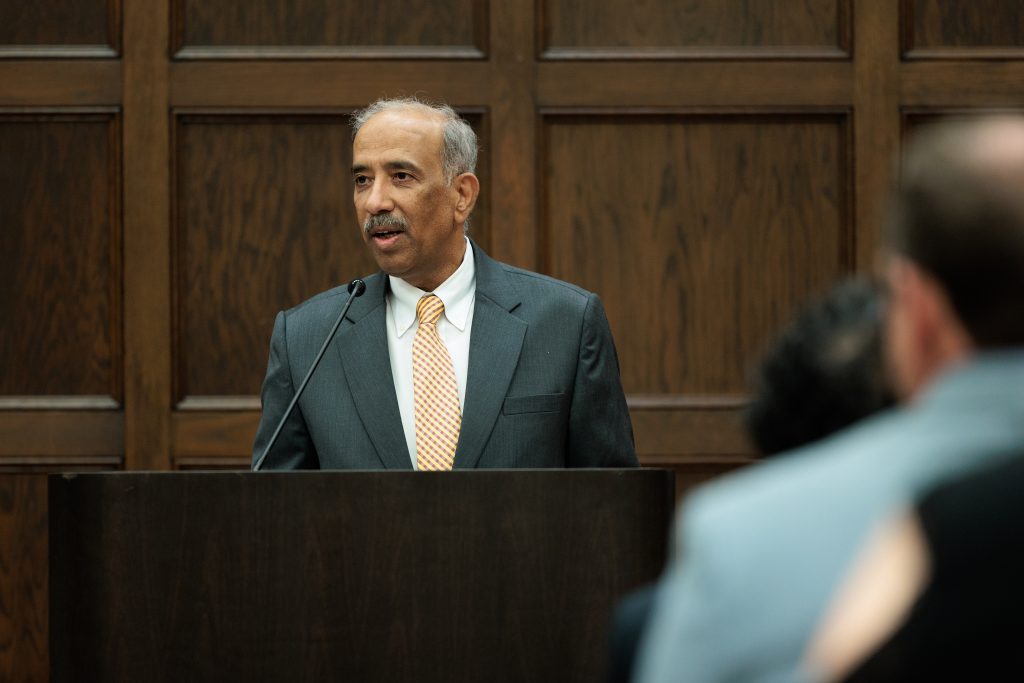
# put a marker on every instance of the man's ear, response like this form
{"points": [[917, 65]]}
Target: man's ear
{"points": [[922, 306], [940, 336], [467, 189]]}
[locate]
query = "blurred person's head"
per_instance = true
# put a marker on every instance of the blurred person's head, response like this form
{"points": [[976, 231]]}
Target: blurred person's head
{"points": [[955, 248], [823, 372]]}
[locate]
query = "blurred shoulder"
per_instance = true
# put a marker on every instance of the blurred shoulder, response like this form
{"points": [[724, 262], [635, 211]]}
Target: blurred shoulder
{"points": [[796, 489]]}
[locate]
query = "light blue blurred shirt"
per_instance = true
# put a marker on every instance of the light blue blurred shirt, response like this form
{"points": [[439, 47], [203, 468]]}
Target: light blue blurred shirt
{"points": [[757, 555]]}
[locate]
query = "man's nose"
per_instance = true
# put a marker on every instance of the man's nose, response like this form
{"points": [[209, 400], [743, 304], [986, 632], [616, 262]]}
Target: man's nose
{"points": [[379, 199]]}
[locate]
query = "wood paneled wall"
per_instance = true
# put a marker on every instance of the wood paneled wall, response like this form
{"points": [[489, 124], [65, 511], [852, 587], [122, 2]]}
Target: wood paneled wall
{"points": [[173, 173]]}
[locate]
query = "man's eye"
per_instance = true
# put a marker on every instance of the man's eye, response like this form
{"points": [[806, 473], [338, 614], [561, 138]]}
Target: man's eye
{"points": [[402, 175], [361, 180]]}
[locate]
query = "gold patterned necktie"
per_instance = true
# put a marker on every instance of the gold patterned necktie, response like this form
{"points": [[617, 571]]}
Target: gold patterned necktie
{"points": [[438, 417]]}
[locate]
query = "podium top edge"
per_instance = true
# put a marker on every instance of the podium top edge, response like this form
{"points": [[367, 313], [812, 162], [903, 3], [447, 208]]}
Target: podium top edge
{"points": [[618, 471]]}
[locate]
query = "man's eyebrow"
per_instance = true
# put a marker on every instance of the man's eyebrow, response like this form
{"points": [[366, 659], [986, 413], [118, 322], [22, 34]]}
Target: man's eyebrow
{"points": [[402, 164], [396, 165]]}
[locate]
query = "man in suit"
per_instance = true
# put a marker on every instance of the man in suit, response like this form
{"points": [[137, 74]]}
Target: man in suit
{"points": [[449, 359], [757, 555]]}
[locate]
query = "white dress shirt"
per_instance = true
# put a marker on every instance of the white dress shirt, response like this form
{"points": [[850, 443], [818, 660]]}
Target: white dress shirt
{"points": [[458, 293]]}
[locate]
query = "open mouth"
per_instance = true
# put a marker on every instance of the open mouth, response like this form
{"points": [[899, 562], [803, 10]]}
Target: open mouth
{"points": [[384, 228], [385, 237]]}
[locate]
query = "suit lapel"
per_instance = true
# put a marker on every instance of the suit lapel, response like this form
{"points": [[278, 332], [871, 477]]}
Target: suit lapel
{"points": [[494, 347], [363, 349]]}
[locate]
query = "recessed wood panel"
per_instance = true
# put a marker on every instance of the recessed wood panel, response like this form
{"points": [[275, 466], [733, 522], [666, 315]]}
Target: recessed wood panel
{"points": [[61, 27], [991, 28], [60, 282], [264, 220], [668, 28], [54, 437], [301, 28], [701, 233]]}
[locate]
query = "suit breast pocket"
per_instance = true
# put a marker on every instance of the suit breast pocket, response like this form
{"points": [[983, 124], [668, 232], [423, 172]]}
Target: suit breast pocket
{"points": [[535, 429], [543, 403]]}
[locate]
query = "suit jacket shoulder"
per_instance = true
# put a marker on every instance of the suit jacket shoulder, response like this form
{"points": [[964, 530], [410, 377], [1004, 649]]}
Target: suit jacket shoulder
{"points": [[527, 280], [543, 376], [757, 555], [321, 310]]}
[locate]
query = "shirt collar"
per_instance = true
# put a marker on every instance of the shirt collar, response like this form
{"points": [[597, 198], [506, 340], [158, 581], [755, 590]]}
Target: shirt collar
{"points": [[456, 293]]}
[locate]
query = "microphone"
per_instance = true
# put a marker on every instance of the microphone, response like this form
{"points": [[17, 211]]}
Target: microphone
{"points": [[355, 288]]}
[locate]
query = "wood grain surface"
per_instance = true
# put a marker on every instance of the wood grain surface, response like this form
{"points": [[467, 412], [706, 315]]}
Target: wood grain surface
{"points": [[24, 596], [429, 25], [668, 28], [360, 576], [964, 25], [702, 233], [60, 255], [66, 23]]}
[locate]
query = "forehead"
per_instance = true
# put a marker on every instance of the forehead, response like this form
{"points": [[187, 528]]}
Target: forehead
{"points": [[400, 133]]}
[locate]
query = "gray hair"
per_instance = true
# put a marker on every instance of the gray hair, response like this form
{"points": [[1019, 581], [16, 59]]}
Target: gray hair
{"points": [[459, 149]]}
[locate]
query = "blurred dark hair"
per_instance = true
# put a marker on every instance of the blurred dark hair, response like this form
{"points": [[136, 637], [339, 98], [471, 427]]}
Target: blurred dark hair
{"points": [[959, 215], [823, 372]]}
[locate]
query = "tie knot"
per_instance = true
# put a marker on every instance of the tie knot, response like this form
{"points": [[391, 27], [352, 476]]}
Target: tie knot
{"points": [[429, 308]]}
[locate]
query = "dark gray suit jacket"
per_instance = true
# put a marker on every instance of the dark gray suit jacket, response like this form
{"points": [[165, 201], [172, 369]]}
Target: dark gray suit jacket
{"points": [[543, 385]]}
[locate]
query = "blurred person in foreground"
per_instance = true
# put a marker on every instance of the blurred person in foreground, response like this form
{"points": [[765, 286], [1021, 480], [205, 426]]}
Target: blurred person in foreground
{"points": [[450, 359], [757, 555], [823, 372], [936, 594]]}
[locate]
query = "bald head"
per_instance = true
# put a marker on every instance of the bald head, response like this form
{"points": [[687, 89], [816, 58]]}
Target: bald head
{"points": [[959, 216], [987, 153]]}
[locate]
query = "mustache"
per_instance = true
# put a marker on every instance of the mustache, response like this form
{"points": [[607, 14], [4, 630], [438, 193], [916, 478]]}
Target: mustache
{"points": [[384, 220]]}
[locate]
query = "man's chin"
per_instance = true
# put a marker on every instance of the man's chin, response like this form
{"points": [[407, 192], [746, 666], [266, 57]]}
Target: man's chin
{"points": [[391, 264]]}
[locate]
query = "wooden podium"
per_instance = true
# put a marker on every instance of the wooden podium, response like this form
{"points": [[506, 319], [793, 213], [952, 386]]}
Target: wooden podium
{"points": [[347, 576]]}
